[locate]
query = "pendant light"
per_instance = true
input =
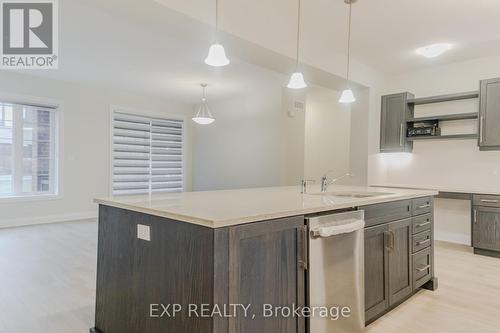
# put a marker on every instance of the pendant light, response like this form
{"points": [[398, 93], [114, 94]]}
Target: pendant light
{"points": [[216, 54], [203, 116], [347, 96], [297, 79]]}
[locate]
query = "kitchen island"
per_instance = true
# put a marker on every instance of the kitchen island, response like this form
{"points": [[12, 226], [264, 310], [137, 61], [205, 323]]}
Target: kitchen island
{"points": [[193, 261]]}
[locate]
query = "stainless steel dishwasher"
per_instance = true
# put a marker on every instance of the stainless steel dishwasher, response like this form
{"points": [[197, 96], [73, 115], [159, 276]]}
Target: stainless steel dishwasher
{"points": [[336, 272]]}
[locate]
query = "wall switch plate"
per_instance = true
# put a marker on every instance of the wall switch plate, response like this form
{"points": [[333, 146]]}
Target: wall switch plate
{"points": [[144, 232]]}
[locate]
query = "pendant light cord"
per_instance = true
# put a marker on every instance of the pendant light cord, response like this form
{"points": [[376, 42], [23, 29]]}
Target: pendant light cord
{"points": [[349, 41], [204, 86], [216, 16], [298, 36]]}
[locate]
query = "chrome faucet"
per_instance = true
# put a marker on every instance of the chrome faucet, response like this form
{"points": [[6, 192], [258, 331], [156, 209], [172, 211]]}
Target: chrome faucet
{"points": [[325, 181], [303, 186]]}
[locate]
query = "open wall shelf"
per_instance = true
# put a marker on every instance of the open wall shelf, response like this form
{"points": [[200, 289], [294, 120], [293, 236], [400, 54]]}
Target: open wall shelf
{"points": [[443, 98], [443, 137], [447, 117]]}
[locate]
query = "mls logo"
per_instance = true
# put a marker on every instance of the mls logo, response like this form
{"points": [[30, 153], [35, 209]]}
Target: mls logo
{"points": [[29, 34]]}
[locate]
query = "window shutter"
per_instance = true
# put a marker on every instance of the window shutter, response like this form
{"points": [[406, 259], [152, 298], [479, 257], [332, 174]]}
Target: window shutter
{"points": [[147, 154]]}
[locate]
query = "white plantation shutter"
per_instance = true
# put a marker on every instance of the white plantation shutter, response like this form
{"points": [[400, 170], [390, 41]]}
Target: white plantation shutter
{"points": [[147, 154]]}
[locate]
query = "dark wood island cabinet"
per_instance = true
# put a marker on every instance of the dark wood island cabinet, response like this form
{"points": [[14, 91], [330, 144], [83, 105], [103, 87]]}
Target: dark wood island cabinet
{"points": [[157, 274], [182, 263]]}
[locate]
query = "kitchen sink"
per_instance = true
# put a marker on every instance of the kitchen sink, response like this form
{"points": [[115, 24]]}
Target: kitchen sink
{"points": [[353, 194]]}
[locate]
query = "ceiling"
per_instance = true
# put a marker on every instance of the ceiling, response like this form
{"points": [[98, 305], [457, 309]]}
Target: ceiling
{"points": [[156, 47], [385, 33]]}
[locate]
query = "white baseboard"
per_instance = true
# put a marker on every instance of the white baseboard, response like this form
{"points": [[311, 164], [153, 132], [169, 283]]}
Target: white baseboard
{"points": [[453, 238], [25, 221]]}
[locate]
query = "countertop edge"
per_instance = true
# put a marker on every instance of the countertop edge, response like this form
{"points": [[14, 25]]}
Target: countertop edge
{"points": [[437, 188], [214, 224]]}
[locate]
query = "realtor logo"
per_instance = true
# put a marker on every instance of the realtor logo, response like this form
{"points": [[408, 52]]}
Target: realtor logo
{"points": [[29, 34]]}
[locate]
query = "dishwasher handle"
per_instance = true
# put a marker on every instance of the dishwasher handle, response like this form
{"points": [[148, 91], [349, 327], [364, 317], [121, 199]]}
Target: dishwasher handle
{"points": [[333, 230]]}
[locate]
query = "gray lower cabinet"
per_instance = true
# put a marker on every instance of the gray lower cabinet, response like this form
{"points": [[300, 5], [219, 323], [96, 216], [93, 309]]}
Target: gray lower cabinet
{"points": [[266, 267], [388, 266], [489, 114], [486, 228], [395, 110], [376, 271], [400, 263], [398, 236]]}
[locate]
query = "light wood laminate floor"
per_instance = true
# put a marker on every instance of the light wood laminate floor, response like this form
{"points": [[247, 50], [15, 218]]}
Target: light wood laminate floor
{"points": [[47, 278], [47, 285]]}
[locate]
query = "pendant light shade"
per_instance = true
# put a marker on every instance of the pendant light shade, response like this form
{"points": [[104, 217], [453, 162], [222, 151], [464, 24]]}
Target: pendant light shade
{"points": [[347, 97], [297, 79], [203, 115], [216, 54]]}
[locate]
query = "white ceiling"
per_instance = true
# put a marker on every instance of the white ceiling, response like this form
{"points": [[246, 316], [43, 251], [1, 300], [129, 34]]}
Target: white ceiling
{"points": [[385, 32], [143, 47], [158, 49]]}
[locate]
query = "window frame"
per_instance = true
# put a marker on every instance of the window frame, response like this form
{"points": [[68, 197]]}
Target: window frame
{"points": [[144, 113], [58, 107]]}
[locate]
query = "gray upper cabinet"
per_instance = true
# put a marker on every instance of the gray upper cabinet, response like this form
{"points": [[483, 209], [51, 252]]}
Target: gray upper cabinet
{"points": [[265, 267], [395, 111], [489, 114]]}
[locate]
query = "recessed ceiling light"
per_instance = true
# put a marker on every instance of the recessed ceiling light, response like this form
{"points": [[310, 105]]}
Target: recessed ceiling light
{"points": [[434, 50]]}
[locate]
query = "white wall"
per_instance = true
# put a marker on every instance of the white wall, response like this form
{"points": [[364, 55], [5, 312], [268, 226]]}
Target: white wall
{"points": [[359, 137], [327, 134], [255, 142], [293, 136], [242, 148], [84, 137], [454, 164]]}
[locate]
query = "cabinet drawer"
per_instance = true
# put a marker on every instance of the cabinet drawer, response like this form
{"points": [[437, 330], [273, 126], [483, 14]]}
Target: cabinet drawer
{"points": [[421, 206], [386, 212], [486, 200], [421, 241], [422, 223], [422, 268]]}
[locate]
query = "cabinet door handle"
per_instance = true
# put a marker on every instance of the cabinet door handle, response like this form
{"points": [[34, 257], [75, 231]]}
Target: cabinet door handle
{"points": [[392, 239], [427, 205], [423, 242], [489, 201], [303, 262], [401, 136], [387, 241], [423, 224], [481, 126], [421, 269], [475, 216]]}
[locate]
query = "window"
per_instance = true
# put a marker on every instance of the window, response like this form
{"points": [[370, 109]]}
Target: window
{"points": [[28, 163], [147, 154]]}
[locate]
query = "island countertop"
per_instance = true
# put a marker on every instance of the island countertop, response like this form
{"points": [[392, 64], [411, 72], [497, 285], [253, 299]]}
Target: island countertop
{"points": [[215, 209]]}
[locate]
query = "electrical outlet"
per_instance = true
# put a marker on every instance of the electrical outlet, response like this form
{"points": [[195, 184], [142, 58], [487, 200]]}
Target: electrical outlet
{"points": [[144, 232]]}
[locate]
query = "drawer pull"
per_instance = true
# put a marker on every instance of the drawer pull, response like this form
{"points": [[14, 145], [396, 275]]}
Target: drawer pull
{"points": [[423, 224], [489, 201], [422, 269], [427, 205], [423, 242]]}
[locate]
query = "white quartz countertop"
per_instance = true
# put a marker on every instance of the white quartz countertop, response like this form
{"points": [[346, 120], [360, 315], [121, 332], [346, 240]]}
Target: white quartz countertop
{"points": [[217, 209]]}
